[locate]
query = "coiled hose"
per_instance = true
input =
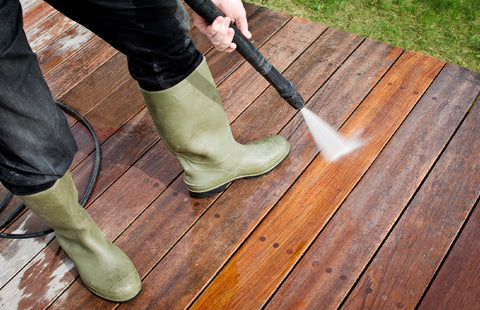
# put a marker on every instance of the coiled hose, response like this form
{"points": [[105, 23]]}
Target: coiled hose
{"points": [[93, 178]]}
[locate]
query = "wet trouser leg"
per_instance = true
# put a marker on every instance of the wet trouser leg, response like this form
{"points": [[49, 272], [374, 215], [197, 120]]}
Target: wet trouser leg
{"points": [[153, 34], [36, 144]]}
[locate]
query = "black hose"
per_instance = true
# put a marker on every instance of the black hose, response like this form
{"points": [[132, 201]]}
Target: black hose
{"points": [[85, 197], [208, 11]]}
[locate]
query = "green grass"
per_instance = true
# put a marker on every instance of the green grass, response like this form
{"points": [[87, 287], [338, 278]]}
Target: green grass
{"points": [[445, 29]]}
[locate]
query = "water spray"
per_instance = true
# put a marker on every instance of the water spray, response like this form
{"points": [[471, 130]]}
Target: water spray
{"points": [[331, 144]]}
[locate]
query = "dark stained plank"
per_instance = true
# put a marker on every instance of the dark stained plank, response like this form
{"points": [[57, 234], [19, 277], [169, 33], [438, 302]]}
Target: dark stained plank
{"points": [[92, 90], [331, 266], [64, 77], [414, 250], [280, 240], [457, 285]]}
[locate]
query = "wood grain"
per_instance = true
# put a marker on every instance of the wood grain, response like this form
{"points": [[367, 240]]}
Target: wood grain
{"points": [[309, 234], [277, 243], [410, 256], [457, 284], [341, 252]]}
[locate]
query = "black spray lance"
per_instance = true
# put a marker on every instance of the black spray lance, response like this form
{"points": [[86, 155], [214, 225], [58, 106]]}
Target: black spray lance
{"points": [[328, 140], [208, 11]]}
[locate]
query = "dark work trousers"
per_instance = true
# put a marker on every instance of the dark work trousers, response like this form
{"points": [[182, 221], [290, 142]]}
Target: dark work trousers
{"points": [[36, 144]]}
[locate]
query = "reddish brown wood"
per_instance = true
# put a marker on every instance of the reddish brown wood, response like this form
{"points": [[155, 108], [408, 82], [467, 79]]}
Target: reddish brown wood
{"points": [[280, 52], [92, 90], [35, 12], [308, 73], [81, 64], [180, 244], [65, 46], [336, 259], [47, 30], [284, 235], [410, 256], [457, 285]]}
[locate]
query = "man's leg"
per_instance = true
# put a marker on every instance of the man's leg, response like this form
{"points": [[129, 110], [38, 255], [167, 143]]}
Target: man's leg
{"points": [[153, 34], [178, 88], [36, 144], [36, 150]]}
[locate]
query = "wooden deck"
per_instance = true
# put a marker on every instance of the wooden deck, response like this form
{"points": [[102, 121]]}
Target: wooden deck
{"points": [[394, 225]]}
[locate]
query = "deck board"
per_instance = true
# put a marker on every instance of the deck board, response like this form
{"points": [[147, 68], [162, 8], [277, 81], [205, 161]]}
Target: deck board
{"points": [[356, 231], [416, 247], [310, 234]]}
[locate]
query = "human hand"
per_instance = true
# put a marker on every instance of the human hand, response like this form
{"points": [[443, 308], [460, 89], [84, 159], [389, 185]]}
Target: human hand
{"points": [[219, 32]]}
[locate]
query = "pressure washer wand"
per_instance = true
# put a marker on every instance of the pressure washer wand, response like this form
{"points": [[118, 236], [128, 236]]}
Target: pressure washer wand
{"points": [[208, 11]]}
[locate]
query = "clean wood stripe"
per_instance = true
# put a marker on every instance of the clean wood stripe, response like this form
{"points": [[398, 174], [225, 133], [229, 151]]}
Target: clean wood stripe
{"points": [[427, 229], [341, 252], [285, 234]]}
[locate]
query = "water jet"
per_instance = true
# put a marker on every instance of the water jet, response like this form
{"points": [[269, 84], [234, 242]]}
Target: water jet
{"points": [[331, 144]]}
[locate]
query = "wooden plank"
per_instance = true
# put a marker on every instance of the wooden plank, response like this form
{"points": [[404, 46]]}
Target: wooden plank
{"points": [[68, 44], [178, 205], [48, 30], [457, 285], [280, 240], [263, 21], [279, 53], [35, 12], [408, 259], [92, 90], [226, 223], [88, 59], [336, 259]]}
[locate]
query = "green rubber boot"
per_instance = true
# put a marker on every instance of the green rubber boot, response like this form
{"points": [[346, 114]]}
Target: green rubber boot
{"points": [[192, 123], [103, 267]]}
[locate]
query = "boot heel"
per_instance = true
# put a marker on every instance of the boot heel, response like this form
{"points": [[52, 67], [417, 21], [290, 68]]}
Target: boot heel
{"points": [[209, 193]]}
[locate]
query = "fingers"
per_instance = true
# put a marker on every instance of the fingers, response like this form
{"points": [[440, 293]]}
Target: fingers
{"points": [[221, 35], [242, 25]]}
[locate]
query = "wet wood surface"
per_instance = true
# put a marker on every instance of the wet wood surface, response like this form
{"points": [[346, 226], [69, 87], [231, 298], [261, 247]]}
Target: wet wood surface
{"points": [[393, 225]]}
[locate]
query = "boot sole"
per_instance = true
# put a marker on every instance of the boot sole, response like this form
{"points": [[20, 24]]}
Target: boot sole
{"points": [[224, 186]]}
